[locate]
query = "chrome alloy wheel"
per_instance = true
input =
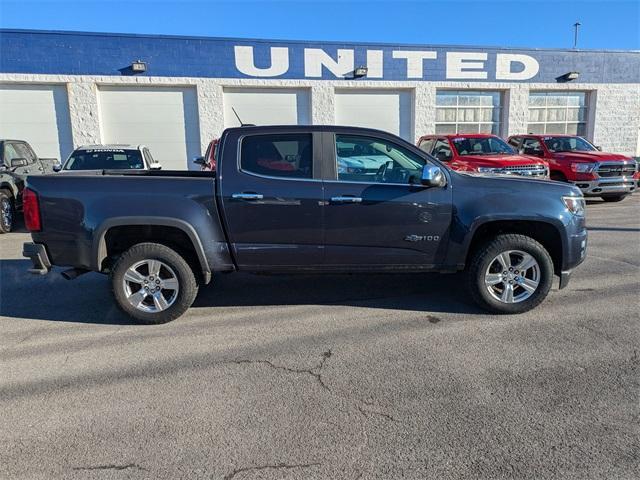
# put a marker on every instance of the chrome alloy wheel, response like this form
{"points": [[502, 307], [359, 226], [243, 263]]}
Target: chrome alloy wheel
{"points": [[5, 210], [512, 276], [150, 286]]}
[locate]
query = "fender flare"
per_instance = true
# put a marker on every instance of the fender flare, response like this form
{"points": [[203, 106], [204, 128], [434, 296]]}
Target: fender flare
{"points": [[11, 187], [99, 247], [484, 220]]}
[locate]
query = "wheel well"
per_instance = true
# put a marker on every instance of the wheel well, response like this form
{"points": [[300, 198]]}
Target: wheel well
{"points": [[7, 188], [118, 240], [544, 233]]}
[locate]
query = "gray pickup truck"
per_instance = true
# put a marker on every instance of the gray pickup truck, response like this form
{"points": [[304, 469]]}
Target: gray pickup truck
{"points": [[18, 160], [293, 199]]}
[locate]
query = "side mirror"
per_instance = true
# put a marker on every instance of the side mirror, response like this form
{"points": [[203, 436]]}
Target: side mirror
{"points": [[155, 166], [199, 161], [19, 162], [57, 167], [598, 147], [433, 176]]}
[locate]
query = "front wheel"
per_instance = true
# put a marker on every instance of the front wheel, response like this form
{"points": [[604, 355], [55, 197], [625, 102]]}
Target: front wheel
{"points": [[613, 198], [153, 284], [7, 212], [510, 274]]}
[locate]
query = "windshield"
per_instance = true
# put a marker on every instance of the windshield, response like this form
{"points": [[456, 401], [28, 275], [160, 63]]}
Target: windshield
{"points": [[568, 144], [482, 146], [105, 159]]}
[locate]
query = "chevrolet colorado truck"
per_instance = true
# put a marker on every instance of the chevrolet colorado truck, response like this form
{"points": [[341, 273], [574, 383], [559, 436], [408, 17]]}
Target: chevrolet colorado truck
{"points": [[161, 235], [17, 161], [573, 159], [482, 153]]}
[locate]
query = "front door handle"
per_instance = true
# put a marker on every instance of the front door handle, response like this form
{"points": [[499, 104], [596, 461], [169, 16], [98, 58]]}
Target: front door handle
{"points": [[346, 199], [247, 196]]}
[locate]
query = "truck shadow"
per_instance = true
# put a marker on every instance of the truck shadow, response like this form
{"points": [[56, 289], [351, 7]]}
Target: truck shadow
{"points": [[88, 298]]}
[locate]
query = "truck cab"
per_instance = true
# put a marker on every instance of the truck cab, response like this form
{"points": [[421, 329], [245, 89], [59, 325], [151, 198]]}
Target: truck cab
{"points": [[573, 159], [482, 153]]}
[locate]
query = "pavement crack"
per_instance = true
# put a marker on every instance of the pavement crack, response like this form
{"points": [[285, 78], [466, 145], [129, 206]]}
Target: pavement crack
{"points": [[367, 413], [277, 466], [112, 467], [315, 372]]}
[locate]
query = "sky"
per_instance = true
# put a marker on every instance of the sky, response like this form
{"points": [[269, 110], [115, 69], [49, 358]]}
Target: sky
{"points": [[609, 24]]}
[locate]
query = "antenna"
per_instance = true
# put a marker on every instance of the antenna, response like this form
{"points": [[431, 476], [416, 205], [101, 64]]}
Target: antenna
{"points": [[237, 116], [576, 26]]}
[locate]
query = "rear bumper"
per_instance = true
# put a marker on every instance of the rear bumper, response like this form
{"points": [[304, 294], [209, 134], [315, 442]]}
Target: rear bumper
{"points": [[39, 258], [603, 186]]}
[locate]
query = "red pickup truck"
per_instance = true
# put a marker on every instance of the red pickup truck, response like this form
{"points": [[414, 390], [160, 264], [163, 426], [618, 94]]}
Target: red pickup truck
{"points": [[573, 159], [482, 153]]}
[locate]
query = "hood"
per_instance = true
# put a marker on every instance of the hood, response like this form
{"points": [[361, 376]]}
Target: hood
{"points": [[515, 183], [490, 160], [595, 156]]}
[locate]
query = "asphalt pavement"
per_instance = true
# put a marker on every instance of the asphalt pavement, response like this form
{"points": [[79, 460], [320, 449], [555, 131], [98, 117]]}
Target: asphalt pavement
{"points": [[340, 377]]}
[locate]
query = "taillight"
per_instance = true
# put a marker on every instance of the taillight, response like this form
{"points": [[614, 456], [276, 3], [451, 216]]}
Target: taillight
{"points": [[31, 210]]}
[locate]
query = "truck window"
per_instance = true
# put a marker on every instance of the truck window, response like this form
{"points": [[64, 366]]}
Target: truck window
{"points": [[442, 150], [514, 142], [369, 159], [531, 146], [25, 152], [10, 153], [426, 145], [278, 155]]}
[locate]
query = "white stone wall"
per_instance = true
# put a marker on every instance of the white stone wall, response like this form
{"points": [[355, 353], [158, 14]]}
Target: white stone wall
{"points": [[614, 109]]}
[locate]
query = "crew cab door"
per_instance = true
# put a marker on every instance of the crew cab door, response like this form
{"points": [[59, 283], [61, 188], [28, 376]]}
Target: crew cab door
{"points": [[272, 195], [377, 214]]}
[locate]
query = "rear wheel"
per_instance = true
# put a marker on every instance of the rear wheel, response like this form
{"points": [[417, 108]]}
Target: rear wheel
{"points": [[613, 198], [153, 284], [510, 274], [7, 212]]}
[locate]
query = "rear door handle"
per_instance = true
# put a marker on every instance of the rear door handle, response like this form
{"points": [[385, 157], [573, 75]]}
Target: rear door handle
{"points": [[247, 196], [346, 199]]}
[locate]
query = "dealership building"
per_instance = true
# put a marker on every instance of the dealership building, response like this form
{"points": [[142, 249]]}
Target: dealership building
{"points": [[59, 90]]}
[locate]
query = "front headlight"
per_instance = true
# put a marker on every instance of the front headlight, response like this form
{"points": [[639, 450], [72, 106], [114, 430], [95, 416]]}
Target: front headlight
{"points": [[583, 167], [575, 205], [489, 170]]}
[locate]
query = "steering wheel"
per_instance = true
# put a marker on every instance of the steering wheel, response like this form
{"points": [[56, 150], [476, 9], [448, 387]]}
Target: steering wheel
{"points": [[382, 171]]}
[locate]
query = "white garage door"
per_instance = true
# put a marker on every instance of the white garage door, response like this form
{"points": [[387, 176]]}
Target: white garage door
{"points": [[267, 106], [163, 119], [388, 110], [38, 114]]}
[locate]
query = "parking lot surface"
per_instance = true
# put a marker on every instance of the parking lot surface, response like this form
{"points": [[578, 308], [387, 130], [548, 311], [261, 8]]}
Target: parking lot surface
{"points": [[354, 377]]}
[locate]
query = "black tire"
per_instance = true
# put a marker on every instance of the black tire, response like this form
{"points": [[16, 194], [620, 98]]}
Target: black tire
{"points": [[485, 255], [187, 285], [614, 198], [7, 212]]}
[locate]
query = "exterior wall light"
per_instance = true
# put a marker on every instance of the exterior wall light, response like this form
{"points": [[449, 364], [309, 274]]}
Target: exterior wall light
{"points": [[569, 76], [360, 72], [138, 66]]}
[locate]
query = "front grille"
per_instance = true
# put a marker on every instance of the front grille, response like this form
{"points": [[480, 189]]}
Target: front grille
{"points": [[617, 184], [616, 170], [526, 170]]}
